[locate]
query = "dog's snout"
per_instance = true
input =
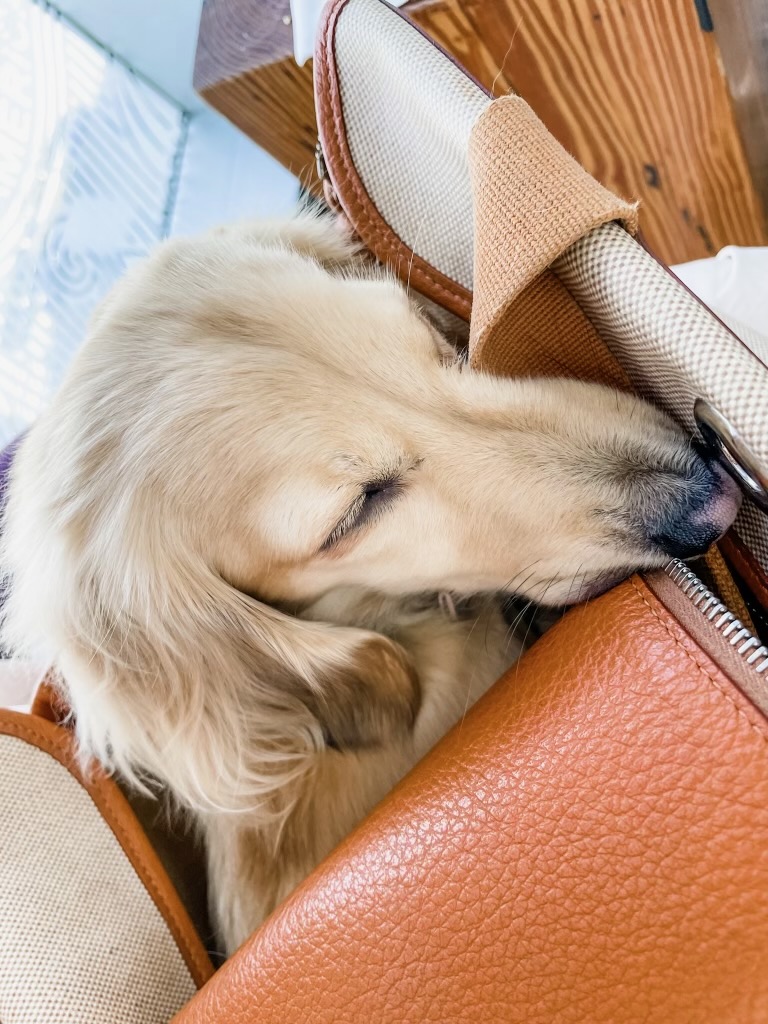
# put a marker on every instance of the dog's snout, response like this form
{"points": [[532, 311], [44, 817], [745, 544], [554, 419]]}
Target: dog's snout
{"points": [[704, 504]]}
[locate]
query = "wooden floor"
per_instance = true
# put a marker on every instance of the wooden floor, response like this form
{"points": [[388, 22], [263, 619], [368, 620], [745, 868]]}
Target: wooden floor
{"points": [[633, 88]]}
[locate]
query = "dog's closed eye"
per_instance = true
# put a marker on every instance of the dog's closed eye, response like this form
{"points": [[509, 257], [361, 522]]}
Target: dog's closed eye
{"points": [[370, 502]]}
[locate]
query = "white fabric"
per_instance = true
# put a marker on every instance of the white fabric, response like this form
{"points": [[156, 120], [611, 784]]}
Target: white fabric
{"points": [[305, 18], [735, 284], [80, 938], [408, 112], [18, 682]]}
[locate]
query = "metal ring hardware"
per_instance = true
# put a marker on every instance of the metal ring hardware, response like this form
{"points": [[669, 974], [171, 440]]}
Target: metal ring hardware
{"points": [[735, 456]]}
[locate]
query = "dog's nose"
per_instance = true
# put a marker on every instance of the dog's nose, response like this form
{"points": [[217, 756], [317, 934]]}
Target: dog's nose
{"points": [[699, 514]]}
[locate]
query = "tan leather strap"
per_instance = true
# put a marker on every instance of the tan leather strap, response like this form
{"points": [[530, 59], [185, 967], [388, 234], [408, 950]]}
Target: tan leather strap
{"points": [[724, 585], [531, 202], [746, 565]]}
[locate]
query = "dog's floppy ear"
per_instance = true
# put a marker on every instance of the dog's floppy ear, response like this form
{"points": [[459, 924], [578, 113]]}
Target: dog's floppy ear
{"points": [[182, 677], [359, 686]]}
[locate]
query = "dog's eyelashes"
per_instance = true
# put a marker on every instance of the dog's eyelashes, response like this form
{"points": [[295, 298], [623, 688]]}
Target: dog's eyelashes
{"points": [[372, 491], [375, 496]]}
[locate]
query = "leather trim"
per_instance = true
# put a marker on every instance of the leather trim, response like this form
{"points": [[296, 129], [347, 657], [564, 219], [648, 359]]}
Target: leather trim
{"points": [[115, 810], [710, 640], [48, 702], [373, 230], [747, 566]]}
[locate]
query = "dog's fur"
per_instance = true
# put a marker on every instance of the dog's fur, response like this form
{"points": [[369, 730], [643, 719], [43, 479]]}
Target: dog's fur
{"points": [[223, 530]]}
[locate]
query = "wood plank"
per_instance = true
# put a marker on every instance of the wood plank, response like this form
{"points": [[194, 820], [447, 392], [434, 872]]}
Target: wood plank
{"points": [[633, 88], [244, 68], [273, 105], [741, 31], [635, 91]]}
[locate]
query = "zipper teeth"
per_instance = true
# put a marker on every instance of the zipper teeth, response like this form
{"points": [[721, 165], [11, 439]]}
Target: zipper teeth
{"points": [[737, 634]]}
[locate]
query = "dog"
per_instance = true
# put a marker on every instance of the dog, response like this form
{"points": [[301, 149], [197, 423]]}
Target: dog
{"points": [[230, 531]]}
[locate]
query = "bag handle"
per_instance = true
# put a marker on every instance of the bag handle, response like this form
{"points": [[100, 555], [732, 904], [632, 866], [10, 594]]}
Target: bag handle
{"points": [[532, 201]]}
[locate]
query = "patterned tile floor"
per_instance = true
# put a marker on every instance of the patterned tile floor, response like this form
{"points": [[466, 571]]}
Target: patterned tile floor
{"points": [[94, 161], [89, 158]]}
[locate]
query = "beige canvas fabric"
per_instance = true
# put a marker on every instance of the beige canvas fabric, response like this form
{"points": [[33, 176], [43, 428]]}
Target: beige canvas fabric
{"points": [[81, 940], [531, 201], [415, 128], [756, 341]]}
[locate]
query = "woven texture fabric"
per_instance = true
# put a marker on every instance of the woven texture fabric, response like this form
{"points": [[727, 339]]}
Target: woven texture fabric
{"points": [[753, 339], [671, 346], [632, 325], [80, 938], [752, 527], [532, 200], [421, 122], [545, 334]]}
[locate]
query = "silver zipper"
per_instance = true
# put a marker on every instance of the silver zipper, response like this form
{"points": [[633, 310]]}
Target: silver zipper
{"points": [[740, 638]]}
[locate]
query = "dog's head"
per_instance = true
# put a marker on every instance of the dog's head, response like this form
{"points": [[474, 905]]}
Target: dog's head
{"points": [[254, 422]]}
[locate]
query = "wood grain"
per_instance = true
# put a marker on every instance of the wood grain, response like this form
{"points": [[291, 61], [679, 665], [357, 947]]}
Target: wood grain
{"points": [[244, 68], [274, 105], [633, 88], [741, 30]]}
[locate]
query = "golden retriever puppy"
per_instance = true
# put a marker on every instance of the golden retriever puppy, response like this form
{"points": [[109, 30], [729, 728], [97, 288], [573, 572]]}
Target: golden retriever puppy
{"points": [[229, 531]]}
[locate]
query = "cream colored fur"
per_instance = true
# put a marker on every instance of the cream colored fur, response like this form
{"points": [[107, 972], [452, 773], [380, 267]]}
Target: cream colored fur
{"points": [[174, 545]]}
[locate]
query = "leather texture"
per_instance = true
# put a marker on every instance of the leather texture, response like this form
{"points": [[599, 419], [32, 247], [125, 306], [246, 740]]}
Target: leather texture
{"points": [[590, 844], [48, 702], [748, 568]]}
